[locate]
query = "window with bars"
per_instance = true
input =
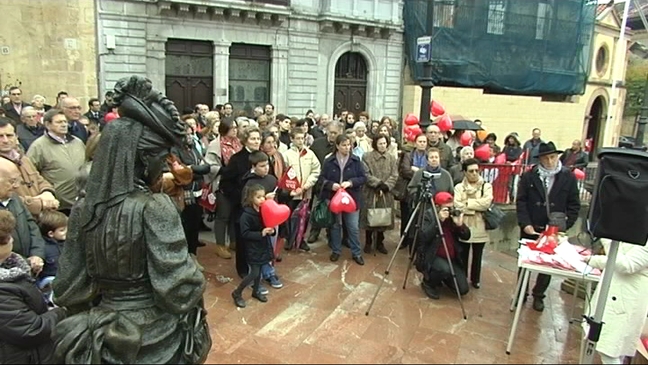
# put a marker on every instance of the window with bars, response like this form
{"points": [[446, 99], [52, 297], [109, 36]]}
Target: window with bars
{"points": [[496, 15], [444, 13], [249, 76], [543, 23]]}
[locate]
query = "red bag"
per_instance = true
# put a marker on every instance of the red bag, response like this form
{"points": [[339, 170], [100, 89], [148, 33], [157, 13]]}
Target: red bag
{"points": [[208, 199], [342, 202], [289, 180]]}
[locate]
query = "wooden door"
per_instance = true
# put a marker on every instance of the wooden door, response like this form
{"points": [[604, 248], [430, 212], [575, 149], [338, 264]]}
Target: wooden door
{"points": [[189, 73], [350, 88]]}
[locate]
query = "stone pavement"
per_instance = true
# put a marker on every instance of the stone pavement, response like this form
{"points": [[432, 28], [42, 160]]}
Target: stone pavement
{"points": [[319, 315]]}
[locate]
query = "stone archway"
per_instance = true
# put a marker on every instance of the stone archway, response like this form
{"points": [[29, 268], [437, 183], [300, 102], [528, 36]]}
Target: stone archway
{"points": [[371, 77], [595, 124], [350, 90]]}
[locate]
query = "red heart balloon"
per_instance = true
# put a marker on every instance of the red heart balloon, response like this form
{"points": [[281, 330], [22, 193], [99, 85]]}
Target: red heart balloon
{"points": [[274, 214], [579, 174], [342, 202], [411, 119], [436, 108], [465, 139], [412, 131], [444, 123], [482, 152], [500, 159]]}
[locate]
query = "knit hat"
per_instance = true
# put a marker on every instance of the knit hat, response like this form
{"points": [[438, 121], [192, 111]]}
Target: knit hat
{"points": [[443, 198]]}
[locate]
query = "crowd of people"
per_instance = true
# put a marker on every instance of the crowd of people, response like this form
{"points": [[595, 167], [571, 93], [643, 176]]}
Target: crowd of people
{"points": [[230, 163]]}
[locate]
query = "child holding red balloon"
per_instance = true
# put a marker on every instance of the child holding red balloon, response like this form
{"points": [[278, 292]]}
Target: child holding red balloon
{"points": [[258, 247]]}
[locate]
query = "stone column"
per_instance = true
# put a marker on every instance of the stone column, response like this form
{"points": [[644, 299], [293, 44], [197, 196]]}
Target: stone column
{"points": [[155, 61], [279, 78], [221, 72]]}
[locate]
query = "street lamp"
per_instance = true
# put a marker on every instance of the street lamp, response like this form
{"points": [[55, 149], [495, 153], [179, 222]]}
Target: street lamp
{"points": [[426, 81]]}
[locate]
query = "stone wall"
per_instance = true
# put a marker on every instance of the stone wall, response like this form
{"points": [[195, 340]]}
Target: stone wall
{"points": [[47, 46]]}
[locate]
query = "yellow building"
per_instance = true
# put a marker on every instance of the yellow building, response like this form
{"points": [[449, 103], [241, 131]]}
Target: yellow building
{"points": [[561, 120], [47, 46]]}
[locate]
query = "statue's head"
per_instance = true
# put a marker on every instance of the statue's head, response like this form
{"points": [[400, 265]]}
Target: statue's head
{"points": [[138, 100]]}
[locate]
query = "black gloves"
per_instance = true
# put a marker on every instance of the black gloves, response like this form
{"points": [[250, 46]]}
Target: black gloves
{"points": [[200, 169], [383, 187]]}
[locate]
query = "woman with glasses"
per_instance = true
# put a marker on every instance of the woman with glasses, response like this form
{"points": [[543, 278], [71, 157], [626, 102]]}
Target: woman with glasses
{"points": [[473, 196]]}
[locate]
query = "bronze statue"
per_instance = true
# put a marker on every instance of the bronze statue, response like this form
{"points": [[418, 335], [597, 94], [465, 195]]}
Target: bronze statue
{"points": [[133, 292]]}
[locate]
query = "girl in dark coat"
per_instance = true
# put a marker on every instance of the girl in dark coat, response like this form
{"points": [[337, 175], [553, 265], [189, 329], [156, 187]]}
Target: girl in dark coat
{"points": [[256, 238], [26, 324]]}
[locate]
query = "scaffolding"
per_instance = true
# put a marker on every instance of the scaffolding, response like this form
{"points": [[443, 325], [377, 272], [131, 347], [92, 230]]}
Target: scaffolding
{"points": [[520, 47]]}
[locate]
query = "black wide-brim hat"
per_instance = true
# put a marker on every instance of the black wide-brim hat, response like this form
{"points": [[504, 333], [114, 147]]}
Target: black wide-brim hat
{"points": [[548, 148]]}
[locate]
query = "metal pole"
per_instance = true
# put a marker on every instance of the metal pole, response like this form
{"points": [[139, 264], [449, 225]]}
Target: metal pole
{"points": [[426, 80], [612, 104], [643, 119]]}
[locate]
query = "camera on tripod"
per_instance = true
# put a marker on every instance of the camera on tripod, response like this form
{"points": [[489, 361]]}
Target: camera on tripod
{"points": [[426, 188]]}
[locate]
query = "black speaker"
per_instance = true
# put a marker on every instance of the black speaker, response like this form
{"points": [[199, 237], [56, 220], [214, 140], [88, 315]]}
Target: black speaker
{"points": [[619, 206]]}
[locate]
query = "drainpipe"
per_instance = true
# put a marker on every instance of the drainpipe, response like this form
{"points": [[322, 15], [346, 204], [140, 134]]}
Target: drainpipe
{"points": [[643, 119]]}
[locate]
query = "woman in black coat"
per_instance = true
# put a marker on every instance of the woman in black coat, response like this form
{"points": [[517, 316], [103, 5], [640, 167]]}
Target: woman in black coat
{"points": [[232, 187], [26, 323]]}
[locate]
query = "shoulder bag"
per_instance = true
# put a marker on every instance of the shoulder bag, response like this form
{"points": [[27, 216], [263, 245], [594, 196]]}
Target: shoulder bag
{"points": [[493, 216]]}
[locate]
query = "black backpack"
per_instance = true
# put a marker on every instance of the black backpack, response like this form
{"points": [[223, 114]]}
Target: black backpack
{"points": [[619, 206]]}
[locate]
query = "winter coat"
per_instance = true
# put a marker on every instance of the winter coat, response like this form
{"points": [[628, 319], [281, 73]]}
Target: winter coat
{"points": [[457, 173], [307, 167], [59, 164], [582, 159], [353, 171], [27, 135], [231, 183], [269, 183], [531, 200], [33, 184], [380, 168], [258, 249], [26, 324], [28, 240], [213, 156], [626, 307], [531, 148], [405, 172], [321, 147], [52, 253], [430, 240], [445, 152], [473, 202]]}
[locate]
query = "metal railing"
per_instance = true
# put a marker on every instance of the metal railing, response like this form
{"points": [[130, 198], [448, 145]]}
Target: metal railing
{"points": [[505, 179]]}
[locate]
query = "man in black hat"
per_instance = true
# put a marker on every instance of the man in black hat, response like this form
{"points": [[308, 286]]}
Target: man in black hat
{"points": [[535, 211]]}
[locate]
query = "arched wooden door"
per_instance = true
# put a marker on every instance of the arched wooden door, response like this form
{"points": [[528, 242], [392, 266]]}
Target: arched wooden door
{"points": [[350, 89]]}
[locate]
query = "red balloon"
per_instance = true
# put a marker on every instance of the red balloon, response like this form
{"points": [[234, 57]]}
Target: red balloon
{"points": [[411, 119], [500, 159], [444, 123], [482, 152], [465, 139], [579, 174], [412, 131], [342, 202], [436, 108], [274, 214]]}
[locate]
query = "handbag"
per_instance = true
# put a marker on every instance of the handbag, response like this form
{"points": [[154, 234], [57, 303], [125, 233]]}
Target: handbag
{"points": [[322, 217], [493, 216], [379, 217], [197, 341], [400, 189], [207, 199]]}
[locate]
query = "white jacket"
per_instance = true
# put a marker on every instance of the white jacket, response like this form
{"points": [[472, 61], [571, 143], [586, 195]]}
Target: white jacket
{"points": [[306, 166], [627, 304]]}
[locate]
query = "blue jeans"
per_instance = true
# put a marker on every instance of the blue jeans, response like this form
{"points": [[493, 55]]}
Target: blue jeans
{"points": [[351, 221], [267, 270]]}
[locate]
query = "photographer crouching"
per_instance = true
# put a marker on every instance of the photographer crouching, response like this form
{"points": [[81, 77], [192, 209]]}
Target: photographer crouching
{"points": [[432, 259]]}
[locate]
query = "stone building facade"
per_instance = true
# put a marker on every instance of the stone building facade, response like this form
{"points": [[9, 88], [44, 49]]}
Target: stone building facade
{"points": [[45, 49], [284, 52]]}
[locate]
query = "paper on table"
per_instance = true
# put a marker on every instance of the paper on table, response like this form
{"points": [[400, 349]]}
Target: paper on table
{"points": [[567, 252]]}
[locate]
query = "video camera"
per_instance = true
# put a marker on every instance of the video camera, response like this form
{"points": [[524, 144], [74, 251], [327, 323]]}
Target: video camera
{"points": [[426, 188]]}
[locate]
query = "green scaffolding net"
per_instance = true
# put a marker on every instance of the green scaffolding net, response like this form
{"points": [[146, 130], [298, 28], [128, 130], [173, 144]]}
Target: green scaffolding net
{"points": [[524, 47]]}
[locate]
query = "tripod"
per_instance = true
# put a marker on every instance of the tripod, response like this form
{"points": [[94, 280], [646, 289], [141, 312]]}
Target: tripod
{"points": [[421, 205], [596, 322]]}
